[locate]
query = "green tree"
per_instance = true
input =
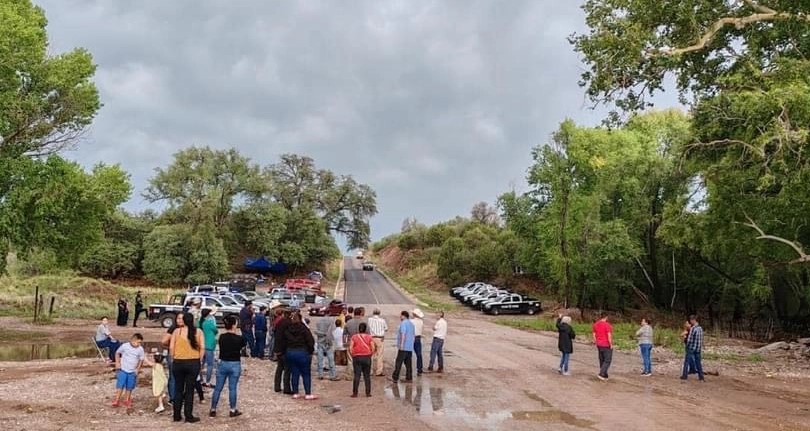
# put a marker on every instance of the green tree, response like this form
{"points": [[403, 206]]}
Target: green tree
{"points": [[55, 205], [632, 46], [202, 184], [166, 254], [45, 101], [344, 204]]}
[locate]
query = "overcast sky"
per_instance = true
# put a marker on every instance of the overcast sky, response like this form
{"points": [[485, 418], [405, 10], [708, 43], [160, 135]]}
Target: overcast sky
{"points": [[435, 104]]}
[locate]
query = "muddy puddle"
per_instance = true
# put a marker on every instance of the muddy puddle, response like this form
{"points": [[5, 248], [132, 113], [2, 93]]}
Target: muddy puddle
{"points": [[22, 352], [433, 402]]}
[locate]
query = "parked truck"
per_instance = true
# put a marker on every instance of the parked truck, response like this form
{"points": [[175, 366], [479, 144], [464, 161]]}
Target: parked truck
{"points": [[165, 314]]}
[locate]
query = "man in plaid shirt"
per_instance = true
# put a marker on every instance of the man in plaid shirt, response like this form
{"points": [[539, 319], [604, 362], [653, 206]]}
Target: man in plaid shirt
{"points": [[694, 346]]}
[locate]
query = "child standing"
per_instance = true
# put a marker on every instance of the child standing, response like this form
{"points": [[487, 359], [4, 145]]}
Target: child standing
{"points": [[159, 382], [565, 342], [128, 362]]}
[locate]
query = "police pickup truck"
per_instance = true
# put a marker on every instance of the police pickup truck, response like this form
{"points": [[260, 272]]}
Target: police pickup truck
{"points": [[165, 314], [512, 304]]}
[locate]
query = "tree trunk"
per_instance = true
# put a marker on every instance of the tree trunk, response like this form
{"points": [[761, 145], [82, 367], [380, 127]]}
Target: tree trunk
{"points": [[564, 248]]}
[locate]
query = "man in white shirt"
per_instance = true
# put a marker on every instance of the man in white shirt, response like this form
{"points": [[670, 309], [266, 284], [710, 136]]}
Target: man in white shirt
{"points": [[436, 349], [418, 324], [377, 327]]}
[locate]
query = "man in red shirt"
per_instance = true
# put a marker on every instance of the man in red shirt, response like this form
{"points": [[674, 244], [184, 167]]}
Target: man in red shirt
{"points": [[603, 338]]}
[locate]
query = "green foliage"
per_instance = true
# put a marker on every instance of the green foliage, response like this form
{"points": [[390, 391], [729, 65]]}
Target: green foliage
{"points": [[166, 254], [632, 46], [110, 260], [55, 205], [343, 204], [45, 101]]}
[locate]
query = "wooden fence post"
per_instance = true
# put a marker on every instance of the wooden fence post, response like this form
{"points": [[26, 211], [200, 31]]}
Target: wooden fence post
{"points": [[50, 308], [36, 301]]}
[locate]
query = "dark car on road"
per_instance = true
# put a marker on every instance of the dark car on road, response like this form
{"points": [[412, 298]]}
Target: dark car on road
{"points": [[512, 304], [333, 308], [368, 266]]}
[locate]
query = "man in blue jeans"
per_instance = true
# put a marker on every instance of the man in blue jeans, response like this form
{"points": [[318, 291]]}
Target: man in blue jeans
{"points": [[405, 340], [694, 347], [246, 325], [437, 347], [104, 339]]}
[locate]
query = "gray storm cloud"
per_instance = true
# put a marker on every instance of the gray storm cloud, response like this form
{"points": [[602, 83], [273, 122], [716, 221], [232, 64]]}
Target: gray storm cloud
{"points": [[436, 105]]}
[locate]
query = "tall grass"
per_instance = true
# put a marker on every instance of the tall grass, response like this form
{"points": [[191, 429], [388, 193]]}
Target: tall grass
{"points": [[75, 296]]}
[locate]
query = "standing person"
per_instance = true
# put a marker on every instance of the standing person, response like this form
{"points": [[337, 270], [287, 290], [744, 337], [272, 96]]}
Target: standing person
{"points": [[339, 347], [281, 380], [377, 326], [684, 335], [128, 362], [104, 339], [208, 324], [325, 346], [299, 345], [260, 332], [437, 346], [603, 338], [187, 350], [565, 342], [418, 324], [139, 308], [644, 335], [159, 381], [351, 328], [230, 367], [694, 347], [123, 312], [362, 348], [278, 314], [405, 339], [246, 325], [342, 317]]}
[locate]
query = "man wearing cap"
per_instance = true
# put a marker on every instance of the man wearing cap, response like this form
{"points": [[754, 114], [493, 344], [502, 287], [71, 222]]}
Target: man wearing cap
{"points": [[418, 323], [377, 327]]}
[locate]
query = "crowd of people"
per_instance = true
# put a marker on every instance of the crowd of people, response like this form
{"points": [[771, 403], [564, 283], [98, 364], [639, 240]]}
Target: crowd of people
{"points": [[602, 333], [186, 362], [287, 338]]}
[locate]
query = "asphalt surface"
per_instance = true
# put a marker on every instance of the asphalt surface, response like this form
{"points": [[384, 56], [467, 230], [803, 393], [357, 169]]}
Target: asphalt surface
{"points": [[369, 287]]}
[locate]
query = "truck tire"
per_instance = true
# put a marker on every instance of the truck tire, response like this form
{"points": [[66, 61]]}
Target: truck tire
{"points": [[496, 311], [532, 310], [167, 320]]}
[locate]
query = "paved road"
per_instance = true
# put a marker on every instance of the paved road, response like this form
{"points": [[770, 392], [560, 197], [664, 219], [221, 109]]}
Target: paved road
{"points": [[369, 287]]}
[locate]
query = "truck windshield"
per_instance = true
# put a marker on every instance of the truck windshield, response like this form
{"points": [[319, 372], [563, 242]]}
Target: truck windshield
{"points": [[228, 300]]}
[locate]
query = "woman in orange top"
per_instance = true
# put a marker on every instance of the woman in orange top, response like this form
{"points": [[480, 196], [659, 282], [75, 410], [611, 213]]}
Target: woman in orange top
{"points": [[361, 347], [186, 348]]}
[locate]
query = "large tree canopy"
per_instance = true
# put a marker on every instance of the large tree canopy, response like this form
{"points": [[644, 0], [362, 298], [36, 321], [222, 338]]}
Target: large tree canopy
{"points": [[633, 45], [344, 204], [45, 101]]}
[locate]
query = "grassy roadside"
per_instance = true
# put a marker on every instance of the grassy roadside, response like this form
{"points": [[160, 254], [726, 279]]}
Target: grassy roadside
{"points": [[75, 297]]}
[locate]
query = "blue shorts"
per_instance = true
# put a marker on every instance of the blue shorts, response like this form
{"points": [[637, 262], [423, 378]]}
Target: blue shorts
{"points": [[125, 380]]}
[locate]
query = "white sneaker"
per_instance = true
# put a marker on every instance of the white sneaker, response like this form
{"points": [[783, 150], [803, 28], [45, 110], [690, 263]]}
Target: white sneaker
{"points": [[566, 373], [160, 409]]}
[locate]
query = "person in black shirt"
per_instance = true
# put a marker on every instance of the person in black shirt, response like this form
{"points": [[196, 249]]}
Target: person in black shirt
{"points": [[279, 349], [139, 308], [299, 344], [229, 368]]}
